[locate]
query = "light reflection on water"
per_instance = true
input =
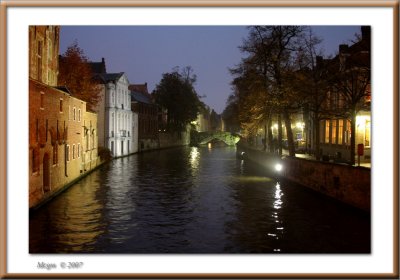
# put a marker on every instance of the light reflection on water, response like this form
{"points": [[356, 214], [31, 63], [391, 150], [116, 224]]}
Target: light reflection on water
{"points": [[193, 200]]}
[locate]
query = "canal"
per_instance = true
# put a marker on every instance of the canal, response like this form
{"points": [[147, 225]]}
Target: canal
{"points": [[193, 200]]}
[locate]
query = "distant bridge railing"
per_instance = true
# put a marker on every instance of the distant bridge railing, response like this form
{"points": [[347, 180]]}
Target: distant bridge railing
{"points": [[202, 138]]}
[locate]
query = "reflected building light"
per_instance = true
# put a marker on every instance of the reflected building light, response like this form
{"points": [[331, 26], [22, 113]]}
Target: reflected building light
{"points": [[194, 157], [278, 194]]}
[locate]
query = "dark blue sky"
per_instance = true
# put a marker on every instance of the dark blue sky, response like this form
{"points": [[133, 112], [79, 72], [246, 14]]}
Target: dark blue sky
{"points": [[144, 53]]}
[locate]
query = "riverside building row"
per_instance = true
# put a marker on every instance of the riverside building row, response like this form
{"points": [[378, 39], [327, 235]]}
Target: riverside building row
{"points": [[344, 114], [62, 133], [64, 137], [66, 140]]}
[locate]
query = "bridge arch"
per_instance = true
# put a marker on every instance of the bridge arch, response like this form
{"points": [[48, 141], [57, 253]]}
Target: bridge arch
{"points": [[202, 138]]}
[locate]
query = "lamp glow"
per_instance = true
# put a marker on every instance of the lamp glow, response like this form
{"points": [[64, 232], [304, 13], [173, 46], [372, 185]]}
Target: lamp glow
{"points": [[278, 167]]}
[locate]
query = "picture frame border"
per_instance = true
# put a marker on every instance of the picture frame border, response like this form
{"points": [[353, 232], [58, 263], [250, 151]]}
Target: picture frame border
{"points": [[4, 5]]}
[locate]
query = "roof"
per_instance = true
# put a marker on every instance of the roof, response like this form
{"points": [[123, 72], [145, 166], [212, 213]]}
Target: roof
{"points": [[139, 88], [98, 67], [110, 77], [64, 89], [141, 97]]}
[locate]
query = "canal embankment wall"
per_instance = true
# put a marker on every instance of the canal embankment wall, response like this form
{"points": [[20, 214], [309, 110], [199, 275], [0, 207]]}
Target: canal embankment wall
{"points": [[169, 140], [164, 140], [348, 184]]}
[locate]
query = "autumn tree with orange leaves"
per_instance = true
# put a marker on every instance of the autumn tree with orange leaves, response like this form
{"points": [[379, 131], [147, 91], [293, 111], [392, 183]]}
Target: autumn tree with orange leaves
{"points": [[76, 74]]}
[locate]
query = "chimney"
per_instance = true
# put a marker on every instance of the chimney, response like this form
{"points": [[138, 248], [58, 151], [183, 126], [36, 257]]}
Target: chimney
{"points": [[103, 65], [343, 48], [366, 33]]}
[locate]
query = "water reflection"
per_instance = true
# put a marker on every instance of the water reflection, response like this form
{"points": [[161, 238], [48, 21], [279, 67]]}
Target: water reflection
{"points": [[194, 158], [278, 195], [73, 223], [193, 200]]}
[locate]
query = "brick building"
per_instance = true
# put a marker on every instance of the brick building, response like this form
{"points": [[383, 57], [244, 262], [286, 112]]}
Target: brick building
{"points": [[147, 111], [348, 102], [58, 136]]}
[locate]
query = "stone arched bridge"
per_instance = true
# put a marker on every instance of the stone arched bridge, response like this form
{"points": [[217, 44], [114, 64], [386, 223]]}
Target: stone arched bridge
{"points": [[202, 138]]}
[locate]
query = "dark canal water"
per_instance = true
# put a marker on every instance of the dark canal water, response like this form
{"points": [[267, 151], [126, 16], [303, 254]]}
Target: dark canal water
{"points": [[193, 200]]}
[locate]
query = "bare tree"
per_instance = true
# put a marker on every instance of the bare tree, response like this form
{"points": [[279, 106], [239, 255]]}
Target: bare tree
{"points": [[351, 80], [270, 51]]}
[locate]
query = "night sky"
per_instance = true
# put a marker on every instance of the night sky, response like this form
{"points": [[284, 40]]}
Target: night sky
{"points": [[144, 53]]}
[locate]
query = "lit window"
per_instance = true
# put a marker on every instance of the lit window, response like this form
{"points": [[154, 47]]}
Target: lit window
{"points": [[340, 135], [347, 136], [327, 128], [367, 133], [334, 131]]}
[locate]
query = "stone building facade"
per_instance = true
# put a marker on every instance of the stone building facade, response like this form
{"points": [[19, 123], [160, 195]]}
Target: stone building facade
{"points": [[43, 53], [116, 120]]}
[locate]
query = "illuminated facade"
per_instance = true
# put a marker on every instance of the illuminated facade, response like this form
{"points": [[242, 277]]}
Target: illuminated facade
{"points": [[348, 105], [62, 134], [118, 117]]}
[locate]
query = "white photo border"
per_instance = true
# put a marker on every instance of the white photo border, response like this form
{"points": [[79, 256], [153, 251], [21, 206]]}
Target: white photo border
{"points": [[382, 258]]}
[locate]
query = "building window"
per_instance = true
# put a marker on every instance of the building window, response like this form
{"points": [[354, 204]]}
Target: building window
{"points": [[347, 134], [49, 51], [42, 100], [367, 133], [67, 153], [39, 60], [47, 129], [79, 115], [340, 134], [73, 151], [61, 105], [35, 160], [74, 114], [79, 150], [327, 128], [37, 130], [334, 131], [92, 139]]}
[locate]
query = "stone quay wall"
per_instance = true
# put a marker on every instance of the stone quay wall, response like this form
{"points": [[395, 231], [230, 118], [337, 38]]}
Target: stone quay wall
{"points": [[169, 140], [348, 184]]}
